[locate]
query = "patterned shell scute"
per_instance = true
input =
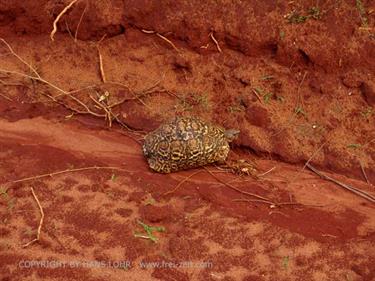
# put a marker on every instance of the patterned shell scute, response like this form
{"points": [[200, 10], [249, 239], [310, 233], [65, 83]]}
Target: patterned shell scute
{"points": [[184, 143]]}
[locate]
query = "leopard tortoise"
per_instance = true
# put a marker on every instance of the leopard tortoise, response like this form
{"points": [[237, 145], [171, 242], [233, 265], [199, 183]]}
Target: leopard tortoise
{"points": [[186, 142]]}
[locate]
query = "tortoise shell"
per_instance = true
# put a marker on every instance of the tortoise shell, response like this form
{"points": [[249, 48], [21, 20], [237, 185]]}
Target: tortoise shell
{"points": [[185, 143]]}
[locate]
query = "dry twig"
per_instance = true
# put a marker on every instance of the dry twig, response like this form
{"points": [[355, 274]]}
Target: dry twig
{"points": [[40, 222], [364, 172], [101, 67], [262, 199], [299, 100], [215, 41], [148, 31], [37, 77], [352, 189], [314, 154], [79, 23], [58, 18], [168, 41], [257, 95], [266, 172], [161, 37], [108, 115], [5, 97], [67, 171], [180, 183]]}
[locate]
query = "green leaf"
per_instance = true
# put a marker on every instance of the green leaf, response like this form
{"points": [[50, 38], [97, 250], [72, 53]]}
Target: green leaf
{"points": [[354, 145]]}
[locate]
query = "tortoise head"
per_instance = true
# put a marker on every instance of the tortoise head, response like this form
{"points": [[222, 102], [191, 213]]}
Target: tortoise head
{"points": [[231, 134]]}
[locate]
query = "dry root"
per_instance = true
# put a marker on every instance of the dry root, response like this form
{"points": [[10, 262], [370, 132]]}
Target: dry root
{"points": [[54, 30], [40, 222], [215, 41]]}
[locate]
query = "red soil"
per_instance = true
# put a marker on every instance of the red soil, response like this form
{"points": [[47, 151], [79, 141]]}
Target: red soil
{"points": [[296, 91]]}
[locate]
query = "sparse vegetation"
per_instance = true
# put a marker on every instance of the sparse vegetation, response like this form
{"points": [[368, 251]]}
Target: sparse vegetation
{"points": [[149, 231], [267, 77], [297, 17], [189, 101], [267, 97], [150, 201], [202, 100], [362, 13], [366, 113], [29, 231], [314, 12], [354, 145], [10, 201], [299, 110], [285, 262], [113, 177]]}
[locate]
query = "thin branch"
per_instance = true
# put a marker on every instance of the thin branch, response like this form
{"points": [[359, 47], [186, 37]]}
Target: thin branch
{"points": [[364, 172], [252, 201], [19, 58], [40, 79], [264, 199], [168, 41], [266, 172], [180, 183], [79, 23], [5, 97], [257, 95], [68, 171], [352, 189], [101, 67], [105, 108], [58, 18], [148, 31], [314, 154], [291, 118], [215, 41], [40, 222]]}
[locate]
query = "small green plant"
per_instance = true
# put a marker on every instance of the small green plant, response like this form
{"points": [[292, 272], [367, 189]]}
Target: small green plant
{"points": [[366, 113], [5, 195], [29, 231], [314, 12], [258, 90], [362, 12], [267, 97], [285, 262], [113, 177], [296, 17], [299, 110], [354, 145], [235, 108], [149, 231], [150, 201], [266, 77], [282, 34]]}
